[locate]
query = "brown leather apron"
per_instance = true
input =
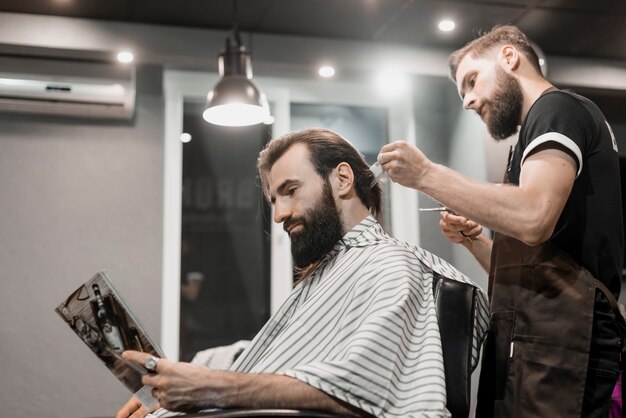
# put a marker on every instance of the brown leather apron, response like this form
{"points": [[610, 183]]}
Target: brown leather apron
{"points": [[537, 351]]}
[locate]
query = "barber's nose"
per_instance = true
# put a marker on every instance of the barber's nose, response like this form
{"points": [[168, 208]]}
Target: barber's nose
{"points": [[282, 212], [469, 101]]}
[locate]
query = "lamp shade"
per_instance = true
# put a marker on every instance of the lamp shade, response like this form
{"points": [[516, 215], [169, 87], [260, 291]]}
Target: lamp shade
{"points": [[235, 100]]}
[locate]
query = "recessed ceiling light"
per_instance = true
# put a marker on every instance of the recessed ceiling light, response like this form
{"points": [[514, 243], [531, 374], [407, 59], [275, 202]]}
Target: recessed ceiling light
{"points": [[446, 25], [326, 71], [185, 137], [125, 57]]}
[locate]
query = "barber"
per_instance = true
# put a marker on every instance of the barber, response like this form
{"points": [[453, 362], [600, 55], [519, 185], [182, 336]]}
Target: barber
{"points": [[555, 262]]}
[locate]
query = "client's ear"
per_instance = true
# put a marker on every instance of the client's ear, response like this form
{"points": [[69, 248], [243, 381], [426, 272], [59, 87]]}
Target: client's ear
{"points": [[345, 177]]}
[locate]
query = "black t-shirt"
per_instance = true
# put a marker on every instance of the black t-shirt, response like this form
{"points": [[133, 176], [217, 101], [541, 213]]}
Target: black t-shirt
{"points": [[590, 227]]}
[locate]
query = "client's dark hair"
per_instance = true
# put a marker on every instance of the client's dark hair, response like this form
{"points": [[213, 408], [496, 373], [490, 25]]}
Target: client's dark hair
{"points": [[327, 151]]}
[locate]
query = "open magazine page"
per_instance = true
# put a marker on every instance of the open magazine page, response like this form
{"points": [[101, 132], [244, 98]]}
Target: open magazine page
{"points": [[98, 314]]}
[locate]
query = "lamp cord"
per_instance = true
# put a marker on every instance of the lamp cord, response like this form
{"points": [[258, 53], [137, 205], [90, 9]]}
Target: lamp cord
{"points": [[236, 24]]}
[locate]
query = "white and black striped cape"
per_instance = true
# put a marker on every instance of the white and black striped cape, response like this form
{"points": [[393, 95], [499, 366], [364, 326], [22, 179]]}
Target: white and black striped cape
{"points": [[363, 328]]}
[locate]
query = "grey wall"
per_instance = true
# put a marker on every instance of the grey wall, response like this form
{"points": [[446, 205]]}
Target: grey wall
{"points": [[456, 138], [75, 197], [432, 121], [449, 135]]}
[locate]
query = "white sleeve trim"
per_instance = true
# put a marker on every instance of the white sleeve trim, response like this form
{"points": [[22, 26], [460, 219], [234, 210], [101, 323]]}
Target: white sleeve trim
{"points": [[561, 139]]}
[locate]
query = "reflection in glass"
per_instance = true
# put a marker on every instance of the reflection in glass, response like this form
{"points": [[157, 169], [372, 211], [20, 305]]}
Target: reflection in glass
{"points": [[225, 242]]}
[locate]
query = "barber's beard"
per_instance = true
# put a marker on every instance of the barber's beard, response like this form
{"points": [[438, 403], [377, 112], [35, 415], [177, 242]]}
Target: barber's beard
{"points": [[319, 232], [505, 108]]}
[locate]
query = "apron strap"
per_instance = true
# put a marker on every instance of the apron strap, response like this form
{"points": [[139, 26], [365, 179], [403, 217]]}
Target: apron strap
{"points": [[621, 322]]}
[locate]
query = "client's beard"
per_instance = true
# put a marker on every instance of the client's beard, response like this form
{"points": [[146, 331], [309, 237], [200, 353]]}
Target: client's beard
{"points": [[321, 229]]}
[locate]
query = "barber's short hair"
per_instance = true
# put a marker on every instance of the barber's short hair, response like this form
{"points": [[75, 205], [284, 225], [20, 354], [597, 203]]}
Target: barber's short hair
{"points": [[327, 150], [498, 36]]}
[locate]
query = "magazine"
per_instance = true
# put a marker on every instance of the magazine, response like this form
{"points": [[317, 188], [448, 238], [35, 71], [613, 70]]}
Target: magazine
{"points": [[98, 314]]}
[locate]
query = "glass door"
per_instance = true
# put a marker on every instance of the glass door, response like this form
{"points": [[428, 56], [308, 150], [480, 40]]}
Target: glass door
{"points": [[225, 245]]}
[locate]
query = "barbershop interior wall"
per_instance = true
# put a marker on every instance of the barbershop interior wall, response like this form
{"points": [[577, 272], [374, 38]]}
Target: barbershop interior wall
{"points": [[456, 138], [449, 135], [76, 196]]}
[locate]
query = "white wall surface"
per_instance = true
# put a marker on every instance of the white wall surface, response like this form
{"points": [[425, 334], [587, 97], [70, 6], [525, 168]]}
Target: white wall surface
{"points": [[75, 197]]}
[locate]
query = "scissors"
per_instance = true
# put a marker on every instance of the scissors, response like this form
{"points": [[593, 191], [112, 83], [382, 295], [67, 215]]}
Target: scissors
{"points": [[378, 172]]}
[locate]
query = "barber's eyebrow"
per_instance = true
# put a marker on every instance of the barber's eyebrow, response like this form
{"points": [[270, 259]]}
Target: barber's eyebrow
{"points": [[464, 83], [282, 188], [462, 87]]}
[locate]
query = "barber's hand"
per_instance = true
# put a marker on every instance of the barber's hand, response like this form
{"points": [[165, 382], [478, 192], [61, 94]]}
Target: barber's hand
{"points": [[134, 409], [405, 163], [181, 386], [459, 229]]}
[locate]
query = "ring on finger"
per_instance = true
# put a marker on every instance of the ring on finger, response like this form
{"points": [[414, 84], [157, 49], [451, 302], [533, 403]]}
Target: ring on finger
{"points": [[151, 364], [465, 236]]}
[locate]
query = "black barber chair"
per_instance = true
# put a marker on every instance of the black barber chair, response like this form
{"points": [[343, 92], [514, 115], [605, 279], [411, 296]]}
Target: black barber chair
{"points": [[455, 303]]}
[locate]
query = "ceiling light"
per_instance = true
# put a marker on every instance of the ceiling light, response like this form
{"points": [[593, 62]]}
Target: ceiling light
{"points": [[185, 137], [235, 100], [326, 71], [446, 25], [125, 57]]}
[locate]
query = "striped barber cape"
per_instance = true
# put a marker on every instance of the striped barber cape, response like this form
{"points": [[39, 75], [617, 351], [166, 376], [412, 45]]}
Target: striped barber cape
{"points": [[362, 327]]}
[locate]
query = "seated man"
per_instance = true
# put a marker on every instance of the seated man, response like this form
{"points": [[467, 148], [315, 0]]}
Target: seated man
{"points": [[358, 335]]}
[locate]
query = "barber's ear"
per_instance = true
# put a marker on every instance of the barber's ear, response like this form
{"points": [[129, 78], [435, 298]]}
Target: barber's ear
{"points": [[345, 177], [510, 57]]}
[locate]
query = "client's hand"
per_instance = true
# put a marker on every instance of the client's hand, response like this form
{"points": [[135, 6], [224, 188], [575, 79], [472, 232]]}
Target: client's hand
{"points": [[134, 409], [458, 229], [182, 386]]}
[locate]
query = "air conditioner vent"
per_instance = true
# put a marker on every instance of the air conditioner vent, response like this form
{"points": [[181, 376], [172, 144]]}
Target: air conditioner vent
{"points": [[67, 88]]}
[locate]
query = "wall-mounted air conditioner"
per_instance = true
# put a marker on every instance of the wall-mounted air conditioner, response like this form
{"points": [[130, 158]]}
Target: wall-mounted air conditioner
{"points": [[67, 88]]}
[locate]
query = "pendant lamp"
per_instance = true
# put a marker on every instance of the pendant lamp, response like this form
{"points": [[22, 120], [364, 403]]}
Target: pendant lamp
{"points": [[235, 100]]}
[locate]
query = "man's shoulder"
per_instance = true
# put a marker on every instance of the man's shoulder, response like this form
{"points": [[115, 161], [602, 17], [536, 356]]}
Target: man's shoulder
{"points": [[558, 112], [559, 96], [564, 103], [391, 252], [386, 252]]}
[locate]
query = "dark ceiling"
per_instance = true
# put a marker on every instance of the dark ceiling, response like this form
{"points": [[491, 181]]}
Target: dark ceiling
{"points": [[578, 28]]}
